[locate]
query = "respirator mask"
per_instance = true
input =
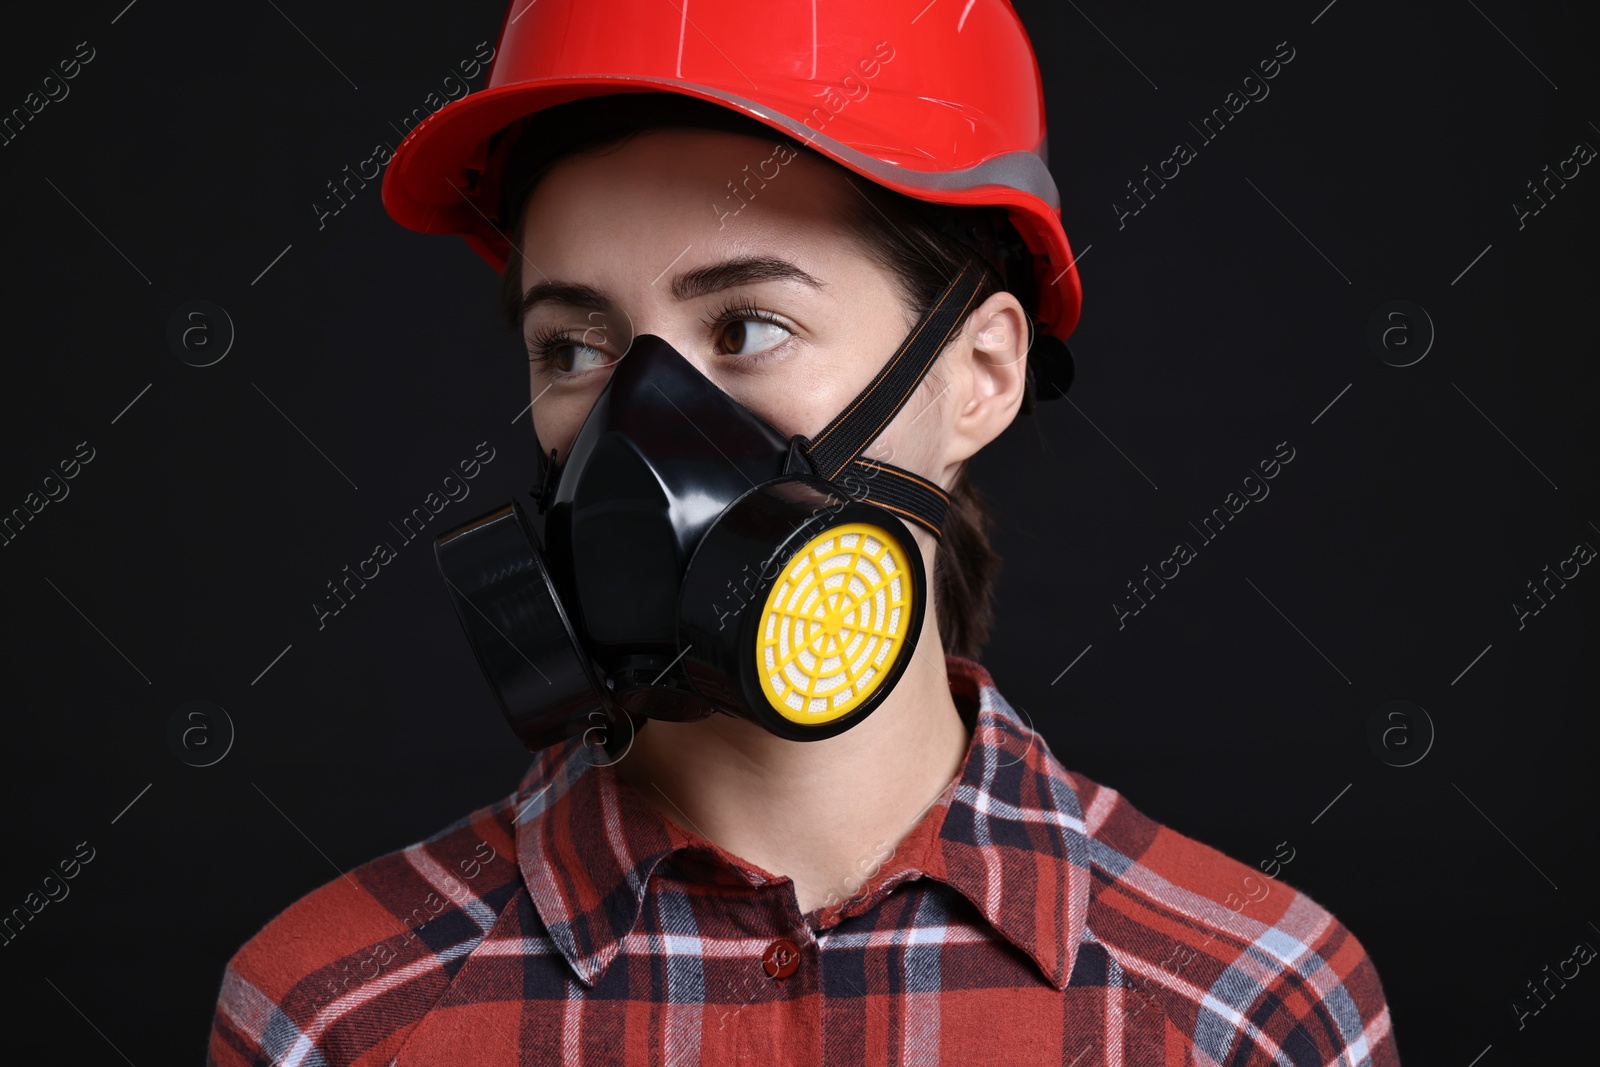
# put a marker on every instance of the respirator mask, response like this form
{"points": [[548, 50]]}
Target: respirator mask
{"points": [[694, 561]]}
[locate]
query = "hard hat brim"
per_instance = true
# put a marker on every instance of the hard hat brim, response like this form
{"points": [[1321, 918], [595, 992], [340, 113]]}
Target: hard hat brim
{"points": [[435, 182]]}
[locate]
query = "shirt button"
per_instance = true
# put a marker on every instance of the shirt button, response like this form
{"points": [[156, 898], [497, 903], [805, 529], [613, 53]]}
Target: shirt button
{"points": [[782, 958]]}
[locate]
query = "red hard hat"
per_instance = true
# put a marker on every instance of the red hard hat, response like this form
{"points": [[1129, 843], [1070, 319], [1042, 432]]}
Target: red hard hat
{"points": [[940, 102]]}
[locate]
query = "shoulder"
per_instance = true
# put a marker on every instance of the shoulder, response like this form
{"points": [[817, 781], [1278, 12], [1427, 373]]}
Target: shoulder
{"points": [[348, 969], [1249, 968]]}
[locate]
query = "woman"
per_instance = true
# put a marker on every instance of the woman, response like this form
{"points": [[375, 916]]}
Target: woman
{"points": [[911, 875]]}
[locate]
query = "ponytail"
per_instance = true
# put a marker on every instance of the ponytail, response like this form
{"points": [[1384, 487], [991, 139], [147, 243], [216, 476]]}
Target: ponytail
{"points": [[965, 567]]}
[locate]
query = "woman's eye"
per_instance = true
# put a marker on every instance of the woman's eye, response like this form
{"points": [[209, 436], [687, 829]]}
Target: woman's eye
{"points": [[567, 356], [749, 337], [582, 358]]}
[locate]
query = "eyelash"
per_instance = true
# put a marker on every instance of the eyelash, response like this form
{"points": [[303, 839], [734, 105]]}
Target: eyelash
{"points": [[547, 338]]}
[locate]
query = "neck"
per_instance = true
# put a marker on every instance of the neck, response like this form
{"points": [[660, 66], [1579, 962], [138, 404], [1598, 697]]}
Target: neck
{"points": [[818, 812]]}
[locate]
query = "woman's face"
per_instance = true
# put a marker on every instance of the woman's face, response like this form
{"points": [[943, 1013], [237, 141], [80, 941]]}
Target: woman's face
{"points": [[766, 295]]}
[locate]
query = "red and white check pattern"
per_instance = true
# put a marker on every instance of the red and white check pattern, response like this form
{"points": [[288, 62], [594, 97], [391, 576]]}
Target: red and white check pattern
{"points": [[1031, 917]]}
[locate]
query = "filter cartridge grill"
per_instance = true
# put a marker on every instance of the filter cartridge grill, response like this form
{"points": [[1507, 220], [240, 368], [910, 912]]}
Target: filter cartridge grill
{"points": [[834, 623]]}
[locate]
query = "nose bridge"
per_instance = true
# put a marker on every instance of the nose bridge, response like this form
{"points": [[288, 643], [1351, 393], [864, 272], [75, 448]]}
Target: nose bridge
{"points": [[641, 304], [614, 331], [661, 395], [680, 329], [658, 316]]}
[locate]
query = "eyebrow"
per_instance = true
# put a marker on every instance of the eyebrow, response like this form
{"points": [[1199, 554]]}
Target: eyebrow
{"points": [[701, 281]]}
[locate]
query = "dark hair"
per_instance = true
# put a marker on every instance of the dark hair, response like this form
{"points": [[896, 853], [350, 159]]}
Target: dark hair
{"points": [[921, 244]]}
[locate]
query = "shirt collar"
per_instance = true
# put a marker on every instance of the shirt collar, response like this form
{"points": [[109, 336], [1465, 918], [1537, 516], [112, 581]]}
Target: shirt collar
{"points": [[1008, 834]]}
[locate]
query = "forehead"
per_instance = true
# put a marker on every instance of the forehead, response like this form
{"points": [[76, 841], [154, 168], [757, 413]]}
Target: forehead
{"points": [[688, 182]]}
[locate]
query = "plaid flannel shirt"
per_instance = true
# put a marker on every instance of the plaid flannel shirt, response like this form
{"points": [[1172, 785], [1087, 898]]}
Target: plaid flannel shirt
{"points": [[1031, 917]]}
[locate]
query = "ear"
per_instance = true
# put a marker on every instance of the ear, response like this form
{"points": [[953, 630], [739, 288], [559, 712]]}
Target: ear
{"points": [[987, 370]]}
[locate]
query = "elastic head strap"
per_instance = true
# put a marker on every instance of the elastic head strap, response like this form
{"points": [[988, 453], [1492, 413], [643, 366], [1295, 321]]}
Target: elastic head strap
{"points": [[906, 493], [860, 423]]}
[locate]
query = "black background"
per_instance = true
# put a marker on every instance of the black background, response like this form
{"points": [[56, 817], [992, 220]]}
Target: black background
{"points": [[1234, 708]]}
